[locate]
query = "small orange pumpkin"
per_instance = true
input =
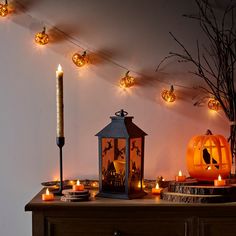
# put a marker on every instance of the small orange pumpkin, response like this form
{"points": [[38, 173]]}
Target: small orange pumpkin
{"points": [[208, 156]]}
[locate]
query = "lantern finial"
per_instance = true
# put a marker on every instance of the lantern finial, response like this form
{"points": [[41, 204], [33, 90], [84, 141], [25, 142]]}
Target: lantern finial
{"points": [[121, 113]]}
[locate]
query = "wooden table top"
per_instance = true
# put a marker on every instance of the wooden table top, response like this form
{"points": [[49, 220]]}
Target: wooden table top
{"points": [[148, 201]]}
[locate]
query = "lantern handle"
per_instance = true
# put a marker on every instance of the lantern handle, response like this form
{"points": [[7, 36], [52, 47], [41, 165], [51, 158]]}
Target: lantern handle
{"points": [[121, 113]]}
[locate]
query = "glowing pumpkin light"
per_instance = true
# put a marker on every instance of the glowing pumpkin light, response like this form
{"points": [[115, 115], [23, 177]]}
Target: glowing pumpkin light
{"points": [[127, 81], [208, 156], [168, 95], [4, 9], [42, 38], [214, 104], [80, 60]]}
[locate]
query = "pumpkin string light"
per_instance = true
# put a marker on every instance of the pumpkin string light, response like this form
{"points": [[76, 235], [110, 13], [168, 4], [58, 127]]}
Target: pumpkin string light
{"points": [[80, 60], [42, 38], [169, 95], [4, 9], [214, 104], [127, 81]]}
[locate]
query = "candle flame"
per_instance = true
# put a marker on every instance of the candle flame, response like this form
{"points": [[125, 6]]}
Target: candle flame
{"points": [[78, 182], [180, 173], [59, 68], [47, 192], [139, 184], [163, 179], [157, 186], [219, 178]]}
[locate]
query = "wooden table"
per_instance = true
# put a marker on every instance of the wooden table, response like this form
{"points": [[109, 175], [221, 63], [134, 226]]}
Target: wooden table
{"points": [[140, 217]]}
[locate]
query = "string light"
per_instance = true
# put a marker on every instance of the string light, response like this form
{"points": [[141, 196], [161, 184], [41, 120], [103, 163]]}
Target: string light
{"points": [[169, 95], [127, 81], [41, 38], [80, 60], [214, 104], [4, 9]]}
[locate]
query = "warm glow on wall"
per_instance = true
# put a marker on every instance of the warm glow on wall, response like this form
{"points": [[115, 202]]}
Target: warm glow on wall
{"points": [[42, 38], [169, 95], [214, 104], [80, 60], [4, 9], [127, 81]]}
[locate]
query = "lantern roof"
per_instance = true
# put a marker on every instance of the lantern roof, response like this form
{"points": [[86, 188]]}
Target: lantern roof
{"points": [[121, 126]]}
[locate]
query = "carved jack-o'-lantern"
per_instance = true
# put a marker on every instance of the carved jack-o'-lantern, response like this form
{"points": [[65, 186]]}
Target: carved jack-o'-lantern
{"points": [[80, 60], [208, 156], [42, 38]]}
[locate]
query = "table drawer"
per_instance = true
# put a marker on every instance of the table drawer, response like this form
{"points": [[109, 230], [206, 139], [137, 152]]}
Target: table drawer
{"points": [[218, 226], [125, 227]]}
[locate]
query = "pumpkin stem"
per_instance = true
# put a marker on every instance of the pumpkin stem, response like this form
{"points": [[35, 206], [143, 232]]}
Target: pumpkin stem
{"points": [[208, 132]]}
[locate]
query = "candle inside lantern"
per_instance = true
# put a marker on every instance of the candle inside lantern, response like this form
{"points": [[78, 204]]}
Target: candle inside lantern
{"points": [[47, 196], [157, 190], [59, 95], [78, 186], [180, 177], [219, 181]]}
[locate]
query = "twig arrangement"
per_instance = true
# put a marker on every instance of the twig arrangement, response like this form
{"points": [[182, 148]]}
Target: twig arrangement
{"points": [[216, 58]]}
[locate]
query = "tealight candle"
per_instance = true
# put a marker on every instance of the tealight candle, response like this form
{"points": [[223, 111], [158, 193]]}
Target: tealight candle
{"points": [[157, 190], [78, 186], [180, 177], [219, 182], [47, 196]]}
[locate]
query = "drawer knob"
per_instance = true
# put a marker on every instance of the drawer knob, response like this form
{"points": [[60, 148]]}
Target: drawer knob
{"points": [[116, 233]]}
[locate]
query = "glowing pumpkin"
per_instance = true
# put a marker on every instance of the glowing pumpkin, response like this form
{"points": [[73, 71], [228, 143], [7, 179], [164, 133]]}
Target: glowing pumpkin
{"points": [[127, 81], [42, 38], [214, 104], [4, 9], [208, 156], [80, 60]]}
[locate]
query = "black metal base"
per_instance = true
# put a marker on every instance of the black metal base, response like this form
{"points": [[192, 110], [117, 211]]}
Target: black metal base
{"points": [[60, 143], [140, 194]]}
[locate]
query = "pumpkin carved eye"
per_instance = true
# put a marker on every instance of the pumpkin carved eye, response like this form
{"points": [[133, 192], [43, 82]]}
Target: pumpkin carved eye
{"points": [[208, 156]]}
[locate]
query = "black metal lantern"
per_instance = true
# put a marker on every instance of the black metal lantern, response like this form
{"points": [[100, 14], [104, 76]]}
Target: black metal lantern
{"points": [[121, 158]]}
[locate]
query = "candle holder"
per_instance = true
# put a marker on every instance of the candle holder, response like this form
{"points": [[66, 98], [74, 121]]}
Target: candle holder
{"points": [[60, 143]]}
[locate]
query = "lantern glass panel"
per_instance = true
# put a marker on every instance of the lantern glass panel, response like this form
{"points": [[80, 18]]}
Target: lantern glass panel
{"points": [[135, 164], [113, 164]]}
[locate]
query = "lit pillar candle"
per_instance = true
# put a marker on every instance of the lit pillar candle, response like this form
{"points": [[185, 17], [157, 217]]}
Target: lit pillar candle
{"points": [[78, 186], [60, 106], [180, 177], [157, 190], [47, 196], [219, 181]]}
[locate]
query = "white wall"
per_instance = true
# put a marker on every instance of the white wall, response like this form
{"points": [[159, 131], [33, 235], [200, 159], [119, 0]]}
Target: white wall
{"points": [[132, 33]]}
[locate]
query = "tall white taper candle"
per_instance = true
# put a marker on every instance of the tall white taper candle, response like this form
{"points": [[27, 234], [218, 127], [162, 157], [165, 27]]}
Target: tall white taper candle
{"points": [[60, 106]]}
